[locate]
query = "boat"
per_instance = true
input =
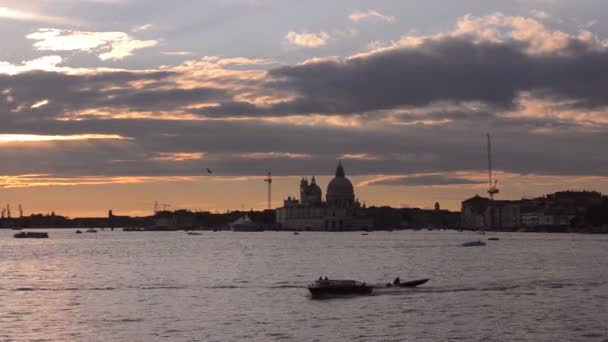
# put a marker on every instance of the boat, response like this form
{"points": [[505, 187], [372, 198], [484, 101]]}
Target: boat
{"points": [[132, 229], [473, 243], [78, 232], [296, 233], [245, 224], [31, 235], [194, 233], [493, 239], [412, 283], [325, 287], [91, 230]]}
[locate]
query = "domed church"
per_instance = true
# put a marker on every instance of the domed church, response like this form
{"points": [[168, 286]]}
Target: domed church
{"points": [[341, 211]]}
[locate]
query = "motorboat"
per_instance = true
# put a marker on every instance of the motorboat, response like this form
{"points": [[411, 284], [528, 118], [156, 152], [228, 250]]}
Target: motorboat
{"points": [[474, 243], [91, 230], [326, 287], [78, 232], [194, 233], [245, 224], [31, 235], [296, 233], [493, 239]]}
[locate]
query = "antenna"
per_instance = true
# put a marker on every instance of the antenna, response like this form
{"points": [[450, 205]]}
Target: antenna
{"points": [[269, 181], [492, 190]]}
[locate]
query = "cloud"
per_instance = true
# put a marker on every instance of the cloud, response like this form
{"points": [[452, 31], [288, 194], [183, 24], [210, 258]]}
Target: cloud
{"points": [[20, 138], [305, 39], [370, 15], [177, 53], [142, 28], [423, 180], [419, 106], [46, 63], [540, 14], [178, 156], [21, 15], [108, 45]]}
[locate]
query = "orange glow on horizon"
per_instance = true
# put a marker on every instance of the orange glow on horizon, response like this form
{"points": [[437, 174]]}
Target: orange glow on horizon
{"points": [[10, 138]]}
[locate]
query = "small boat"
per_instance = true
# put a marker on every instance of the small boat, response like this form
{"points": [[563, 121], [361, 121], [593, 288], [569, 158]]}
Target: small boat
{"points": [[91, 230], [78, 232], [412, 283], [493, 239], [194, 233], [296, 233], [365, 234], [473, 243], [322, 288], [31, 235]]}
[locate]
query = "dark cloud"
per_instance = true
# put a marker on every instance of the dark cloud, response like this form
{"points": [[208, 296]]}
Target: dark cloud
{"points": [[445, 70]]}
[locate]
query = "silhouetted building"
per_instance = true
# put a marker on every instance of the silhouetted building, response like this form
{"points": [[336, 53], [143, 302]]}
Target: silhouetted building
{"points": [[340, 211]]}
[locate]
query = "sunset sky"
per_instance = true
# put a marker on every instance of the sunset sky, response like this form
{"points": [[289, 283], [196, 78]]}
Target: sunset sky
{"points": [[116, 104]]}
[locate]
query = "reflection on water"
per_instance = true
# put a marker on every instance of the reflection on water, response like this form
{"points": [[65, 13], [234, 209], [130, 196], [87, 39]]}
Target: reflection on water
{"points": [[227, 286]]}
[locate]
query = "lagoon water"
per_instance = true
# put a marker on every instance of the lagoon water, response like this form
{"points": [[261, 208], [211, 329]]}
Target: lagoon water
{"points": [[227, 286]]}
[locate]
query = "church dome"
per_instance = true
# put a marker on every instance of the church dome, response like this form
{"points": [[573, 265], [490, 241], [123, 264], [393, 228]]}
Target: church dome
{"points": [[340, 190]]}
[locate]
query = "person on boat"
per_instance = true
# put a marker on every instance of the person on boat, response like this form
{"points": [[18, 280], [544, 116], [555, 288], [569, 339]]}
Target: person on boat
{"points": [[397, 281]]}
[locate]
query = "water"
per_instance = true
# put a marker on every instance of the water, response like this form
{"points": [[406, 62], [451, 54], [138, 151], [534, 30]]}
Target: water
{"points": [[226, 286]]}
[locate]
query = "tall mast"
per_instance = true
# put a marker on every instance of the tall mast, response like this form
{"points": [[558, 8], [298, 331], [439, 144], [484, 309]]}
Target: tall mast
{"points": [[492, 190], [269, 181]]}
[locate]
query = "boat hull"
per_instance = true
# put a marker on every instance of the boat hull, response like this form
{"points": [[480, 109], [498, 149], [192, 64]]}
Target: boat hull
{"points": [[31, 235], [330, 288]]}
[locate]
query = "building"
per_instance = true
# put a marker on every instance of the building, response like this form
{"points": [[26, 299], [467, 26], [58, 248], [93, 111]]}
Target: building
{"points": [[482, 213], [340, 211]]}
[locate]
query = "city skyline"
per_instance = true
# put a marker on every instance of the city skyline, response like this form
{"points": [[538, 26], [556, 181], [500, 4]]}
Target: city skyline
{"points": [[116, 104]]}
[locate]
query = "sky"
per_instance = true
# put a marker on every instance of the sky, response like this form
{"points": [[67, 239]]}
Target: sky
{"points": [[118, 104]]}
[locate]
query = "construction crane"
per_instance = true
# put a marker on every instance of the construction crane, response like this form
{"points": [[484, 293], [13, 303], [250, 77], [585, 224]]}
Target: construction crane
{"points": [[269, 181], [493, 189], [164, 207]]}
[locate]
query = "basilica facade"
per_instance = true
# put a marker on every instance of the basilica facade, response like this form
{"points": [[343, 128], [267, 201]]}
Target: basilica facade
{"points": [[340, 211]]}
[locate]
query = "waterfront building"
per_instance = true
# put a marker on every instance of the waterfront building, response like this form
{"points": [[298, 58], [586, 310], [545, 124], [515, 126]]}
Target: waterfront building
{"points": [[339, 212], [482, 213]]}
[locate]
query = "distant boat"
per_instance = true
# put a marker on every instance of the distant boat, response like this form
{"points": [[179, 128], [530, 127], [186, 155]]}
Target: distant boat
{"points": [[31, 235], [493, 239], [194, 233], [245, 224], [296, 233], [91, 230], [411, 283], [473, 243], [78, 232]]}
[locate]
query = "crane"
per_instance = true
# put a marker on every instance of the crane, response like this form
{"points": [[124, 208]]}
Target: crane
{"points": [[269, 181], [493, 189], [164, 207]]}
